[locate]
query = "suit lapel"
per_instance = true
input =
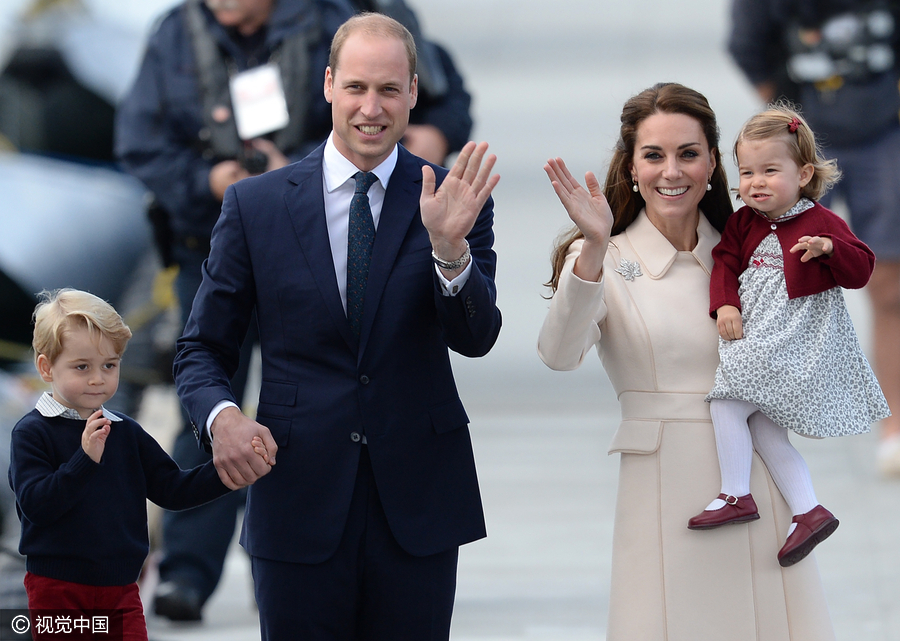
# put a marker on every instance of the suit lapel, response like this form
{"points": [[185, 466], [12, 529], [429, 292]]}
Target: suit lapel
{"points": [[401, 204], [305, 203]]}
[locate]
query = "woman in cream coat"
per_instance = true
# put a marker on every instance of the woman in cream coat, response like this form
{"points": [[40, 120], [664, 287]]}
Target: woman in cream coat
{"points": [[636, 285]]}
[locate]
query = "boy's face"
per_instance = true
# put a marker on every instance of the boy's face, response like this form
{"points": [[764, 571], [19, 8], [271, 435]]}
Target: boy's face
{"points": [[85, 374]]}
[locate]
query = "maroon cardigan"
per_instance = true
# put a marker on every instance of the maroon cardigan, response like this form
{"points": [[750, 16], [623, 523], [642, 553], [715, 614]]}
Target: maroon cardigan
{"points": [[850, 266]]}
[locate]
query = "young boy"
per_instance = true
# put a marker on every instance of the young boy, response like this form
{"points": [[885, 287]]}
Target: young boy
{"points": [[82, 474]]}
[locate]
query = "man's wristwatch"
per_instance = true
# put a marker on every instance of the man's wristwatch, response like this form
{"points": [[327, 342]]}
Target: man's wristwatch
{"points": [[452, 265]]}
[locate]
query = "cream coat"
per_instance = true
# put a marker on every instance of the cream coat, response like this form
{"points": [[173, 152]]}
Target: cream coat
{"points": [[659, 348]]}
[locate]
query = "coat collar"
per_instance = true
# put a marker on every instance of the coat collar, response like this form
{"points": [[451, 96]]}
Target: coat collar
{"points": [[305, 202], [657, 254]]}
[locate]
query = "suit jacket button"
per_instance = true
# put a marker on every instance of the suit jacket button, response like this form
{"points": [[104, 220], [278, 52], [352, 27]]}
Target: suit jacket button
{"points": [[355, 437], [364, 379]]}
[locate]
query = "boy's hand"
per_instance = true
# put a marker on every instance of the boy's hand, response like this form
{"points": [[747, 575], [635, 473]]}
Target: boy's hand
{"points": [[93, 439], [260, 449], [813, 247], [729, 323]]}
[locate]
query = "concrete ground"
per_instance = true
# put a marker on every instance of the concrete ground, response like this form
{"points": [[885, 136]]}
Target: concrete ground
{"points": [[549, 494]]}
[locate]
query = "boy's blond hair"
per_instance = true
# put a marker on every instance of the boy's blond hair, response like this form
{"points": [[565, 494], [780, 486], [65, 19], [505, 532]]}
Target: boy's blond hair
{"points": [[62, 309]]}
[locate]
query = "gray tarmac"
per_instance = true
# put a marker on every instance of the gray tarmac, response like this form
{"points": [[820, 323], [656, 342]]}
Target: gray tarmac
{"points": [[549, 493], [549, 79]]}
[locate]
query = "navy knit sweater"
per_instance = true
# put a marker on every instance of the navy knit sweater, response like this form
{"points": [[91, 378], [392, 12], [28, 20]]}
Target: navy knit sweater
{"points": [[86, 522]]}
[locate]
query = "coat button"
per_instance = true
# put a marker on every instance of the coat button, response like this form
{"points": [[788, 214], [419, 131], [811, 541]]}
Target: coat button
{"points": [[774, 226], [364, 379], [355, 437]]}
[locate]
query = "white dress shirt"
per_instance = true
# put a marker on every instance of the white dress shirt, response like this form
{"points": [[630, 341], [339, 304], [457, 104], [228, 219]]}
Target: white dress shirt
{"points": [[339, 186]]}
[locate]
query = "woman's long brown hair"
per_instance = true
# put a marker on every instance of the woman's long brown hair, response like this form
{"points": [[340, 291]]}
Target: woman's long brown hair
{"points": [[625, 203]]}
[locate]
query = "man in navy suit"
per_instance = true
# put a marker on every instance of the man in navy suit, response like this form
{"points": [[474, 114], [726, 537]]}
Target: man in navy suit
{"points": [[354, 534]]}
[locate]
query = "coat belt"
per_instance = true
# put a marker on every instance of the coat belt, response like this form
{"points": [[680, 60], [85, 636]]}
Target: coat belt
{"points": [[664, 406]]}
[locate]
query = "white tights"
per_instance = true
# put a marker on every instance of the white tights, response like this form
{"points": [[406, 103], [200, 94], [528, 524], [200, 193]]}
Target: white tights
{"points": [[740, 428]]}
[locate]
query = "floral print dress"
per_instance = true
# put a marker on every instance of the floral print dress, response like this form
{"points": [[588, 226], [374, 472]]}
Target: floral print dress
{"points": [[800, 361]]}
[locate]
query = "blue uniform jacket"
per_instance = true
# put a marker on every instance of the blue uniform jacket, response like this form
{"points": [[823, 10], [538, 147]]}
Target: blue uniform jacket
{"points": [[159, 122]]}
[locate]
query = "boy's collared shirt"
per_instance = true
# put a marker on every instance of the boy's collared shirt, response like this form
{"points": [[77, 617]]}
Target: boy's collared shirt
{"points": [[49, 407]]}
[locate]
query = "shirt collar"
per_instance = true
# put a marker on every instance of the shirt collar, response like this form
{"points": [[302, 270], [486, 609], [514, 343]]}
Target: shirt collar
{"points": [[49, 407], [657, 254], [337, 170], [801, 206]]}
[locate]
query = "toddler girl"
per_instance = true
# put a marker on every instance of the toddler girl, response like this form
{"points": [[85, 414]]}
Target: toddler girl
{"points": [[789, 354]]}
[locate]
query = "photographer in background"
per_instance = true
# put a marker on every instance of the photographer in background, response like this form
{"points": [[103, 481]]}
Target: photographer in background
{"points": [[839, 60], [229, 89]]}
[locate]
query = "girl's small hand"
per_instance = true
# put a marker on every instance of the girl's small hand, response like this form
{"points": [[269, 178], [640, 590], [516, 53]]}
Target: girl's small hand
{"points": [[729, 323], [813, 246], [260, 448], [93, 439]]}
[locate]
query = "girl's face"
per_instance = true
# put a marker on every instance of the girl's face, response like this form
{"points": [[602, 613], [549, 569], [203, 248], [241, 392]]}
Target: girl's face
{"points": [[770, 178], [672, 165]]}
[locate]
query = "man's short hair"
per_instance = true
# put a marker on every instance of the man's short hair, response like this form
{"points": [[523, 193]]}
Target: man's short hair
{"points": [[373, 24], [62, 310]]}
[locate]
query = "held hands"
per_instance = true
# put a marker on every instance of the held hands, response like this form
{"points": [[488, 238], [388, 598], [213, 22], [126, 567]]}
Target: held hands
{"points": [[260, 449], [93, 439], [238, 457], [589, 210], [729, 323], [813, 247], [450, 212]]}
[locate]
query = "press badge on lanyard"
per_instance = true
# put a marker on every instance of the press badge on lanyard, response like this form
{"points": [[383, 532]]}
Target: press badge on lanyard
{"points": [[257, 97]]}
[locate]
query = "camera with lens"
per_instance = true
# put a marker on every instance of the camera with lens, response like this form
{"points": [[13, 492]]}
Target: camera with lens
{"points": [[253, 160]]}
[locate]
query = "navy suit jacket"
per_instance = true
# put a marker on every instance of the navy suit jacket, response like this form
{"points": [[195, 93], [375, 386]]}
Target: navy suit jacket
{"points": [[321, 386]]}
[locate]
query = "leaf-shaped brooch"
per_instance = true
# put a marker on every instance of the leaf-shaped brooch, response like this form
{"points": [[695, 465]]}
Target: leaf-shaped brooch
{"points": [[629, 269]]}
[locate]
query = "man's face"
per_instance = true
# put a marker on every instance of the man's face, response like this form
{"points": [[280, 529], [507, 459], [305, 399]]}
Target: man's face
{"points": [[245, 15], [371, 95]]}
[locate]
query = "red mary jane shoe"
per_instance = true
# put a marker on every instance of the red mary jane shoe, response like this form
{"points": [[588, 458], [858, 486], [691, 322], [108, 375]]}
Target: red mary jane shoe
{"points": [[812, 528], [737, 509]]}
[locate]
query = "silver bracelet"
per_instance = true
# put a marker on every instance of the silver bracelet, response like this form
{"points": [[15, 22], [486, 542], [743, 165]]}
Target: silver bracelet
{"points": [[451, 265]]}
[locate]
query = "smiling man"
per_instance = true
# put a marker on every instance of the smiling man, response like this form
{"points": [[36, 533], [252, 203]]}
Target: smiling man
{"points": [[177, 131], [363, 276]]}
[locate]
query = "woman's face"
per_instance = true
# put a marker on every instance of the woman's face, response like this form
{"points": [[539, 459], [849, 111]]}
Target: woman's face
{"points": [[672, 165]]}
